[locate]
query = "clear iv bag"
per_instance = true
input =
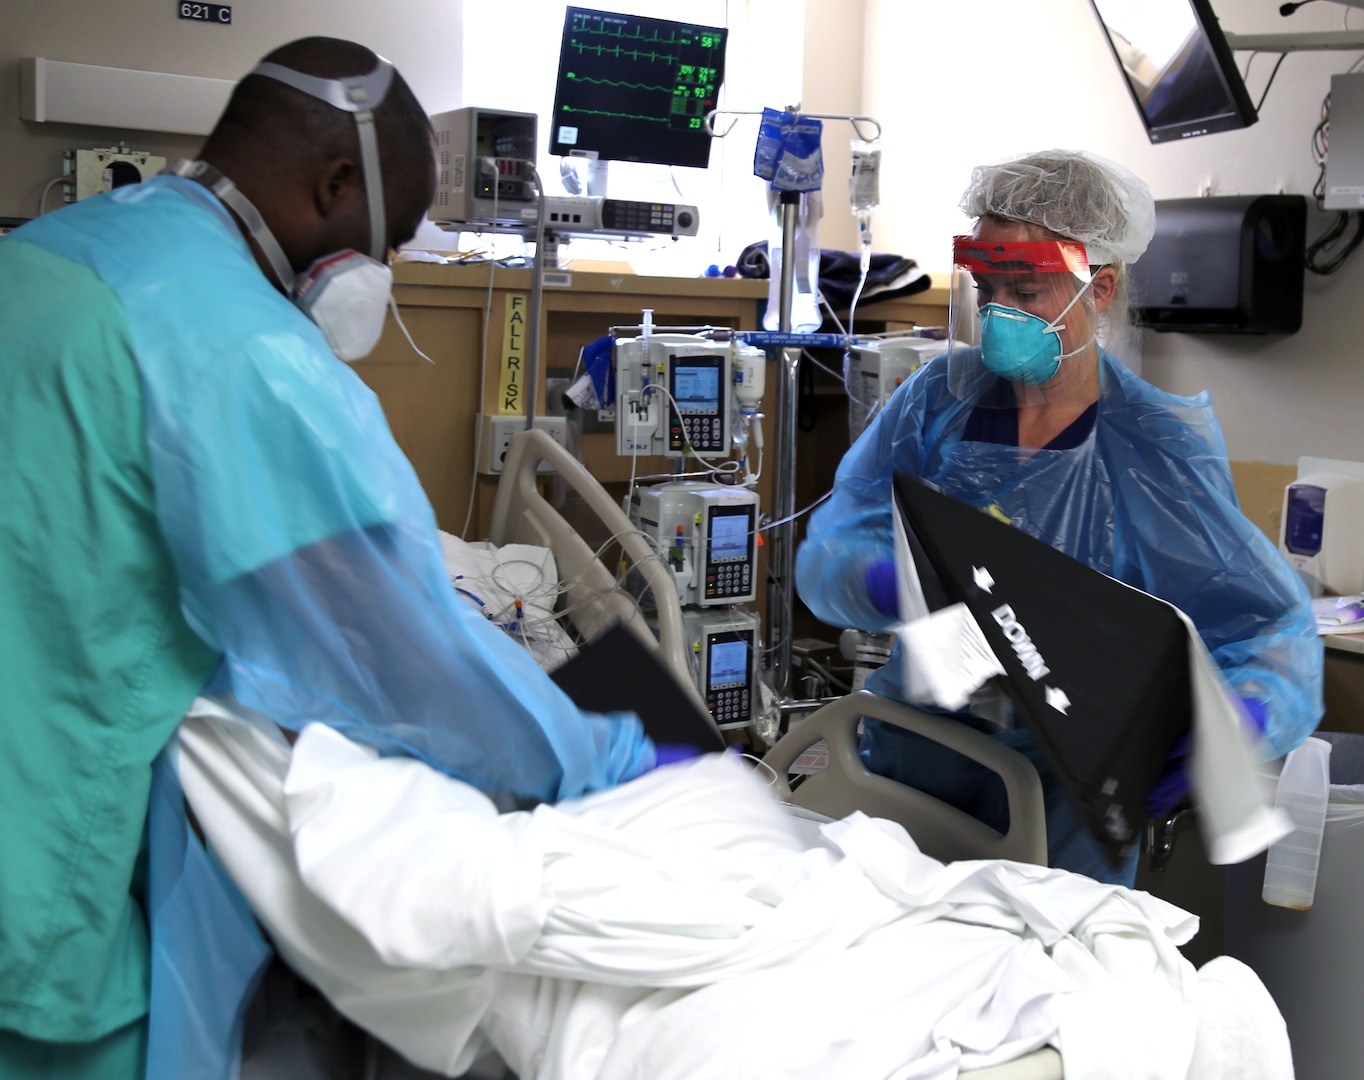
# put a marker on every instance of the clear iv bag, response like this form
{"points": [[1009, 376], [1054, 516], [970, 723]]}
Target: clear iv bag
{"points": [[864, 191]]}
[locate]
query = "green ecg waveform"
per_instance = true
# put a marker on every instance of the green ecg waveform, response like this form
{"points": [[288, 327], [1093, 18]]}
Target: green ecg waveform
{"points": [[583, 27], [609, 82], [615, 115], [634, 54]]}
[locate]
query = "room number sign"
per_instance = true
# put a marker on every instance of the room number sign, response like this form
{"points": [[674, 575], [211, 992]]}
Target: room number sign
{"points": [[212, 13]]}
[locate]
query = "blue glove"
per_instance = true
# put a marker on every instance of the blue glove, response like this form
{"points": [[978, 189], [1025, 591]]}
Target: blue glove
{"points": [[1258, 712], [596, 358], [1173, 785], [883, 588], [672, 753]]}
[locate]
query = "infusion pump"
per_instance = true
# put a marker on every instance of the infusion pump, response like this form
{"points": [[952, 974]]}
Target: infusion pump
{"points": [[707, 536], [725, 650], [877, 368], [675, 393], [883, 365]]}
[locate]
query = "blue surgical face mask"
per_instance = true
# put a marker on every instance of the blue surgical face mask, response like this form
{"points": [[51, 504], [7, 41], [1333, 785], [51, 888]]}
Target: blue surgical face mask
{"points": [[1022, 347]]}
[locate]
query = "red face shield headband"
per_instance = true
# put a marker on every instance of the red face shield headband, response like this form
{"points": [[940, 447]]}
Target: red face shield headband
{"points": [[1020, 257]]}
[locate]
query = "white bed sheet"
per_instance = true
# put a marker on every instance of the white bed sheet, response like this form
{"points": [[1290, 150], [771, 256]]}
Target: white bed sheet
{"points": [[685, 926]]}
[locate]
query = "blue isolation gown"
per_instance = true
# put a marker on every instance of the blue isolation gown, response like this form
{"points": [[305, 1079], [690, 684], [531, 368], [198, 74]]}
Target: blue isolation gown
{"points": [[306, 551], [1146, 498], [297, 553]]}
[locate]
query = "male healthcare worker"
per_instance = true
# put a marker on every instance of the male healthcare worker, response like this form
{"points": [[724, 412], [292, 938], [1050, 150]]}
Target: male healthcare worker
{"points": [[1044, 427], [198, 493]]}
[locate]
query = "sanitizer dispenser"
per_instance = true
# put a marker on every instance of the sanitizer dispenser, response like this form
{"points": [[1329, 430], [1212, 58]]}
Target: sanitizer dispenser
{"points": [[1323, 530]]}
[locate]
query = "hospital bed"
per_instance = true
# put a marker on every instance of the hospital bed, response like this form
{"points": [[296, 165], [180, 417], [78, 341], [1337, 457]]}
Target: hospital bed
{"points": [[365, 986], [844, 785], [593, 598], [522, 514]]}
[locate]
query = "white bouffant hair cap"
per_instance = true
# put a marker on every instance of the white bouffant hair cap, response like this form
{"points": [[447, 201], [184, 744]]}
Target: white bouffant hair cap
{"points": [[1073, 193]]}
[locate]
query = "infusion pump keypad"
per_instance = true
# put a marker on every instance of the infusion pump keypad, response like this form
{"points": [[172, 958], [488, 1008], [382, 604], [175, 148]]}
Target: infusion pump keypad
{"points": [[728, 579], [729, 654], [729, 704], [704, 433]]}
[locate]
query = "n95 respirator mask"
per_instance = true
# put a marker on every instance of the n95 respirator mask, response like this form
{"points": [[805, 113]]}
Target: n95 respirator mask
{"points": [[347, 295]]}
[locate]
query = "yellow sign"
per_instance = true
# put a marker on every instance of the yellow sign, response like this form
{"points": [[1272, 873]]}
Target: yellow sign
{"points": [[512, 367]]}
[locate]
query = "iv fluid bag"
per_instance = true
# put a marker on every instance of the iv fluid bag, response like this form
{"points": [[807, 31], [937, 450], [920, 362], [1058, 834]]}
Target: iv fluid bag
{"points": [[864, 180]]}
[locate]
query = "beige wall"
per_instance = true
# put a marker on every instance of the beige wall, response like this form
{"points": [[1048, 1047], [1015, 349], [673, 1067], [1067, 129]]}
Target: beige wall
{"points": [[973, 81], [421, 36], [833, 85]]}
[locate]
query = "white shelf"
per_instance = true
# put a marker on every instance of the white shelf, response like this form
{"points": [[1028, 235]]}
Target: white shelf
{"points": [[124, 98], [1283, 43]]}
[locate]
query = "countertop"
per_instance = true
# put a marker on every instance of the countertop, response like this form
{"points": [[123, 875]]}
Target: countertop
{"points": [[1345, 642]]}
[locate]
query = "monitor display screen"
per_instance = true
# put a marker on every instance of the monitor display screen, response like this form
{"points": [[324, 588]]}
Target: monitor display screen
{"points": [[636, 89], [1177, 65]]}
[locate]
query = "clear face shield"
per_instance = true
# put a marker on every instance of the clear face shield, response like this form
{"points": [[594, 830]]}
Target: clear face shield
{"points": [[1022, 320]]}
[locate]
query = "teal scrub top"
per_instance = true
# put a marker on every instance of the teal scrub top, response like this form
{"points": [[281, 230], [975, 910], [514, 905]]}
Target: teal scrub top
{"points": [[98, 663]]}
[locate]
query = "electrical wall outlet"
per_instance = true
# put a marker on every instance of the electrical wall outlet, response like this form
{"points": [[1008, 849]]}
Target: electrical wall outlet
{"points": [[90, 172], [495, 435]]}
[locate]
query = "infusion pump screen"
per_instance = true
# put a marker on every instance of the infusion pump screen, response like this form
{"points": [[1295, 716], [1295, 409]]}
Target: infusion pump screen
{"points": [[696, 389], [698, 418], [728, 663], [728, 537]]}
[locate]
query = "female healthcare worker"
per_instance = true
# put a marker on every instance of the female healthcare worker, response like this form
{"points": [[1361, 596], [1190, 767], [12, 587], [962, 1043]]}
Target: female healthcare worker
{"points": [[1042, 426]]}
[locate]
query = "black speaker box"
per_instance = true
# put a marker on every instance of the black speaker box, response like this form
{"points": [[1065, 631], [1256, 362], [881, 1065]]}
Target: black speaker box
{"points": [[1224, 264]]}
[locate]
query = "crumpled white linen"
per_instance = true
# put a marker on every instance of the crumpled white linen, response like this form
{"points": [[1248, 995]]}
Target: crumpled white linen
{"points": [[232, 767], [684, 926]]}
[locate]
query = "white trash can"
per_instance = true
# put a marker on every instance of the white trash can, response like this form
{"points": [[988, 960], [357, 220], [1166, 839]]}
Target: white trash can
{"points": [[1312, 961]]}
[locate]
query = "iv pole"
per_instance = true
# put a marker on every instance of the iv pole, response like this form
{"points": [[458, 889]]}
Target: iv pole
{"points": [[781, 538]]}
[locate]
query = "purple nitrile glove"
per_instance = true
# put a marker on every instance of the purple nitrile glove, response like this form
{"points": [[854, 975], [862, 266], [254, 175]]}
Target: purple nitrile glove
{"points": [[1258, 712], [1173, 785], [672, 753], [883, 589]]}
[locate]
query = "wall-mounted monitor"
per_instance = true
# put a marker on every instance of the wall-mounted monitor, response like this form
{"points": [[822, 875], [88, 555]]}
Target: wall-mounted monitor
{"points": [[1177, 65], [636, 89]]}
